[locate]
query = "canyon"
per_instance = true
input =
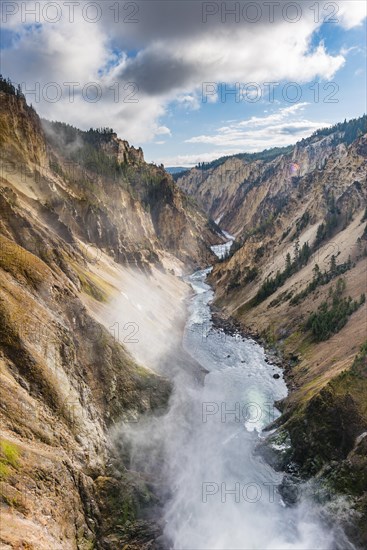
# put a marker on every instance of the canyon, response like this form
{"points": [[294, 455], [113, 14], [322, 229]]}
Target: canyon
{"points": [[298, 218], [85, 223], [98, 359]]}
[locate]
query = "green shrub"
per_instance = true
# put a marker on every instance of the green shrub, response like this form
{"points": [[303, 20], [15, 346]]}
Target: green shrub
{"points": [[332, 315], [322, 278], [4, 470], [9, 457], [10, 452], [271, 284]]}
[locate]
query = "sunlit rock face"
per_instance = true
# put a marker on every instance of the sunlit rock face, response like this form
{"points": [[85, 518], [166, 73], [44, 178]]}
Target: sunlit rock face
{"points": [[120, 150], [99, 187], [314, 196], [242, 193], [92, 244]]}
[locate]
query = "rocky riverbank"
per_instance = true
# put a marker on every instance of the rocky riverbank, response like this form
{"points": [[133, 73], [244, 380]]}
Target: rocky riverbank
{"points": [[330, 470]]}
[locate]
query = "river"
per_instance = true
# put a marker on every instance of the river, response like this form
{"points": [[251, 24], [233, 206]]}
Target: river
{"points": [[223, 495]]}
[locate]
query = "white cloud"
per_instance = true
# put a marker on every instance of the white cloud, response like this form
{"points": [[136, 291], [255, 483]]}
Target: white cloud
{"points": [[163, 131], [285, 127], [169, 53], [351, 13], [189, 101]]}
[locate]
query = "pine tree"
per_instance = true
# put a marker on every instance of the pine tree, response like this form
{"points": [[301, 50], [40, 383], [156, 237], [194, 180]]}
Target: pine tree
{"points": [[320, 235], [333, 264], [304, 254], [316, 272], [288, 263], [296, 251]]}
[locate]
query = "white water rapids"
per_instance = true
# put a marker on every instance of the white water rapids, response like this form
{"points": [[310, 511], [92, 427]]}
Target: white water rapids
{"points": [[221, 250], [222, 494]]}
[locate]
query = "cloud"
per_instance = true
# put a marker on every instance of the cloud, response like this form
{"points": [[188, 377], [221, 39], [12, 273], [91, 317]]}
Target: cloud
{"points": [[284, 127], [163, 131], [189, 101], [157, 71], [162, 59], [351, 13], [170, 69]]}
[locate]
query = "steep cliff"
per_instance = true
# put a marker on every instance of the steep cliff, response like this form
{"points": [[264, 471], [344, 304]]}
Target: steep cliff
{"points": [[100, 189], [243, 193], [82, 218], [296, 277]]}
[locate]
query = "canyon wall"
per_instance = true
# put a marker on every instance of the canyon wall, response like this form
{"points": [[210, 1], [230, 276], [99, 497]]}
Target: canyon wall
{"points": [[296, 278], [93, 241]]}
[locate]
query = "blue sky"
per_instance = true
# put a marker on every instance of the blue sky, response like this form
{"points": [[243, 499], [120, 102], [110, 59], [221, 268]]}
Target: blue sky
{"points": [[160, 63], [343, 96]]}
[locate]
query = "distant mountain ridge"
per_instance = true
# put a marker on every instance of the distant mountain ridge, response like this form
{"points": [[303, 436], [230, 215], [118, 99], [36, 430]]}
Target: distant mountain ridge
{"points": [[351, 130], [220, 187], [176, 169]]}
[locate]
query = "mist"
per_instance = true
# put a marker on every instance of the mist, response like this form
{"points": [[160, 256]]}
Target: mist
{"points": [[218, 492]]}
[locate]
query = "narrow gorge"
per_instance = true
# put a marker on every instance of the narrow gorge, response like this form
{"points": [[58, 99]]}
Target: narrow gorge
{"points": [[183, 359]]}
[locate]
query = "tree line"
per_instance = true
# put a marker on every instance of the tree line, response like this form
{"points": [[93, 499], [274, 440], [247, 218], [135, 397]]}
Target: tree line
{"points": [[301, 255], [332, 315]]}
